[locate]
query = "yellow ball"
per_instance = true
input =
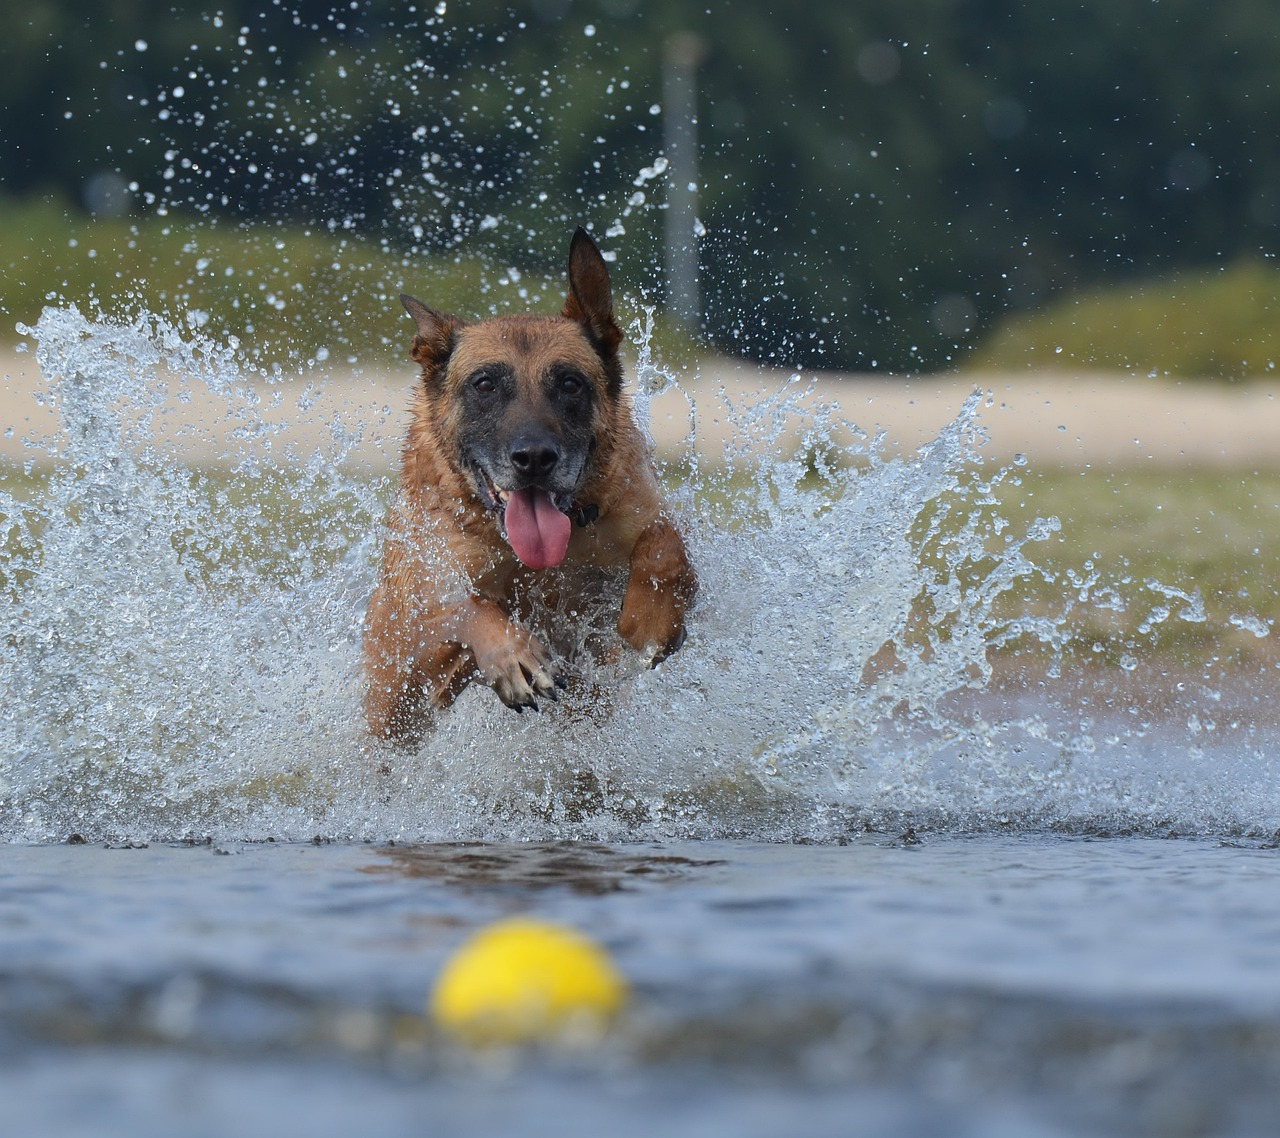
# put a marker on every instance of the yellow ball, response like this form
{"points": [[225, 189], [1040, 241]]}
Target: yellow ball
{"points": [[523, 980]]}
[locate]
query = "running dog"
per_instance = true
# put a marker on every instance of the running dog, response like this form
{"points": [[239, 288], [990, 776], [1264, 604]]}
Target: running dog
{"points": [[524, 473]]}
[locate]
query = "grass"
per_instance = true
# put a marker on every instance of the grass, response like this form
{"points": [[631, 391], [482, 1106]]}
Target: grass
{"points": [[282, 294], [1206, 534], [1221, 324]]}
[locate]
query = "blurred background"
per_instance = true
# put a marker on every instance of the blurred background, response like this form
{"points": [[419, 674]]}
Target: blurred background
{"points": [[897, 185]]}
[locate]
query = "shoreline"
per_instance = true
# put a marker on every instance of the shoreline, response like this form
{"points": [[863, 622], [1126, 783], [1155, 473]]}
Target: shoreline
{"points": [[1058, 420]]}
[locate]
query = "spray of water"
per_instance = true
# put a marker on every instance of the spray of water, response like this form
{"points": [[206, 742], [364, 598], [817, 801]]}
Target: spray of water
{"points": [[180, 646]]}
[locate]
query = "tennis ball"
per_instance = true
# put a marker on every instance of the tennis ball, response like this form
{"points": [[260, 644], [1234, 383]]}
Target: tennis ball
{"points": [[523, 980]]}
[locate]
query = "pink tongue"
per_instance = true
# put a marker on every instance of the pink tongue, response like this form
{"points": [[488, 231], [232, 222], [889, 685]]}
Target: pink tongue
{"points": [[537, 531]]}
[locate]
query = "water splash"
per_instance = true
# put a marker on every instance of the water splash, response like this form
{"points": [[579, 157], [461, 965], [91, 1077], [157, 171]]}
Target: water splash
{"points": [[180, 651], [160, 662]]}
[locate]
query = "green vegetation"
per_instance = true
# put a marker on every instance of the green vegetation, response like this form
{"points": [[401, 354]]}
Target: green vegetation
{"points": [[1220, 324], [1207, 534], [283, 293]]}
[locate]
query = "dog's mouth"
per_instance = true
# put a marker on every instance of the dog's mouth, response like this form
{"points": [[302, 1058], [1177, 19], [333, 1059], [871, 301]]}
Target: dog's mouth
{"points": [[536, 523]]}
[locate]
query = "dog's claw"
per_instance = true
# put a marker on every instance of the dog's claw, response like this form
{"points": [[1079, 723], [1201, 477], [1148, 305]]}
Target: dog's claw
{"points": [[524, 675], [659, 653]]}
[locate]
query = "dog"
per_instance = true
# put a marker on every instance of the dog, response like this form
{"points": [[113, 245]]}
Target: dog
{"points": [[524, 474]]}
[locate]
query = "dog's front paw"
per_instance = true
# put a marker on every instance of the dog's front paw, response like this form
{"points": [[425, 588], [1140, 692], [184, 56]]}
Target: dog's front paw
{"points": [[520, 670], [652, 623], [659, 591]]}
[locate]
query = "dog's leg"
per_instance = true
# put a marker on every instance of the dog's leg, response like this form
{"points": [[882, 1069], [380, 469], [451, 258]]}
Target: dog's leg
{"points": [[418, 664], [660, 589], [512, 660], [393, 701]]}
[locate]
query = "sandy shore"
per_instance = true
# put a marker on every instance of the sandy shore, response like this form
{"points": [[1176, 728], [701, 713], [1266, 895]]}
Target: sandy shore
{"points": [[1055, 419]]}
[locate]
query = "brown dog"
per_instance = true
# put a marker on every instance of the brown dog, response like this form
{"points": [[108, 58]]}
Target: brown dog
{"points": [[519, 430]]}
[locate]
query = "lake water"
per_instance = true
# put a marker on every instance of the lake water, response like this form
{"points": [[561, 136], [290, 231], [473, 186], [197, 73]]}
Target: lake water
{"points": [[875, 854], [980, 985]]}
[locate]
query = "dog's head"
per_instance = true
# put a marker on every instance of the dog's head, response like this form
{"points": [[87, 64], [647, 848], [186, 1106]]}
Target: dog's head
{"points": [[519, 404]]}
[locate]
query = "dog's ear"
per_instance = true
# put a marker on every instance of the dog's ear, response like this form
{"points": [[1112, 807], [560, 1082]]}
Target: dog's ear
{"points": [[590, 301], [437, 334]]}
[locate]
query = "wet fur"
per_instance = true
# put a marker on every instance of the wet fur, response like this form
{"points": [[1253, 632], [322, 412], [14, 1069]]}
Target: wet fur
{"points": [[450, 603]]}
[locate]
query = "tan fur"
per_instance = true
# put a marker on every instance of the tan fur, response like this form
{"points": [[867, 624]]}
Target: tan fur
{"points": [[446, 609]]}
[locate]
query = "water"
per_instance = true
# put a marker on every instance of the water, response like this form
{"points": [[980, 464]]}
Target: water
{"points": [[874, 853], [960, 985]]}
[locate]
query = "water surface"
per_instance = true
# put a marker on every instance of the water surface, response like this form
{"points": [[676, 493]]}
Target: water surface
{"points": [[977, 985]]}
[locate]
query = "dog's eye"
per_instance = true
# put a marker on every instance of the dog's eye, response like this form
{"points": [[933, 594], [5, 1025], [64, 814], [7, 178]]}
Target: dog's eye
{"points": [[571, 384], [484, 384]]}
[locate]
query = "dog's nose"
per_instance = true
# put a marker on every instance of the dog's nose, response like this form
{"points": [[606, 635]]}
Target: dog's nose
{"points": [[534, 458]]}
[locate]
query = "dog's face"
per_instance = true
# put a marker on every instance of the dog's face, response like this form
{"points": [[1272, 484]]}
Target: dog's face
{"points": [[517, 404], [525, 394]]}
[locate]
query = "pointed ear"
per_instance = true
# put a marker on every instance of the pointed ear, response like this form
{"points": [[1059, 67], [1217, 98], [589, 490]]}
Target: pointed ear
{"points": [[590, 301], [437, 334]]}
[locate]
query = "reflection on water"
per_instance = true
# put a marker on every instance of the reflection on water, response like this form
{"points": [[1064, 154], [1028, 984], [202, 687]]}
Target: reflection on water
{"points": [[583, 867]]}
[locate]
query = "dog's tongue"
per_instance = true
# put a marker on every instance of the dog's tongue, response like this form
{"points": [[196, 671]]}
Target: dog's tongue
{"points": [[537, 531]]}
